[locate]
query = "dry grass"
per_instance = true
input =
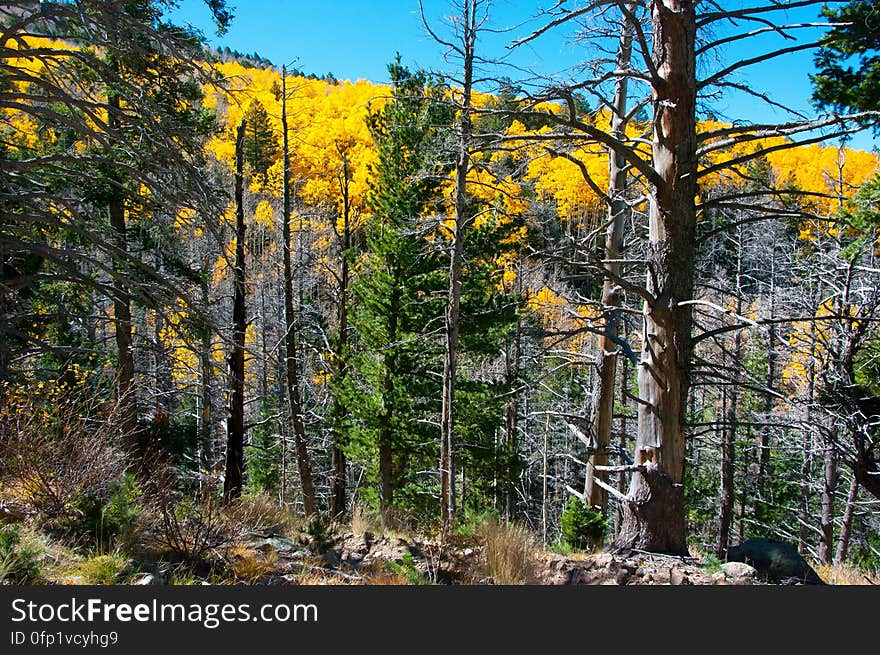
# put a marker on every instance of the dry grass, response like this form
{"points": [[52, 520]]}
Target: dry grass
{"points": [[393, 524], [510, 551], [844, 574], [363, 520], [248, 565], [263, 513]]}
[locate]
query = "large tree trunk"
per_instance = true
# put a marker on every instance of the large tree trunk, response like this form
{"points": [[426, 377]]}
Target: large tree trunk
{"points": [[291, 360], [829, 487], [846, 526], [654, 517], [606, 360], [456, 264], [234, 479]]}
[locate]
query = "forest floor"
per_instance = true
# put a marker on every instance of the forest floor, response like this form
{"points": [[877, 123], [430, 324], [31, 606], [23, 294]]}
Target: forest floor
{"points": [[365, 558], [259, 544]]}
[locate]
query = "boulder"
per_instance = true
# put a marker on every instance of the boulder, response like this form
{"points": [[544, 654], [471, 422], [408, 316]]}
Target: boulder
{"points": [[775, 561], [738, 571]]}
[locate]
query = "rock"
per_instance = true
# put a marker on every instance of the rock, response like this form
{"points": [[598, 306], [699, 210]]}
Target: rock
{"points": [[775, 561], [738, 571], [677, 577], [146, 579], [603, 560], [622, 577], [719, 578], [284, 547]]}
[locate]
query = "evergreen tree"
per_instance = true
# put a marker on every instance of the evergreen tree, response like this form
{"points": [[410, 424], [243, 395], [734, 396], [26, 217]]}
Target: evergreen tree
{"points": [[854, 39], [261, 149], [391, 392]]}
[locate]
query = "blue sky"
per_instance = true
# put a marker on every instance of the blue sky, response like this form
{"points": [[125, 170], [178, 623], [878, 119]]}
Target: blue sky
{"points": [[357, 38]]}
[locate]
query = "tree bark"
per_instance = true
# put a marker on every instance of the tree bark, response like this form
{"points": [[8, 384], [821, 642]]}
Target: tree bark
{"points": [[294, 399], [727, 491], [606, 359], [338, 474], [206, 366], [765, 469], [456, 263], [234, 479], [829, 487], [846, 526], [654, 517]]}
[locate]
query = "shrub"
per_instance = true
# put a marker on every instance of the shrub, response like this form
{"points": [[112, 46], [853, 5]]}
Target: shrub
{"points": [[260, 512], [187, 525], [20, 558], [122, 512], [407, 571], [582, 527], [59, 457]]}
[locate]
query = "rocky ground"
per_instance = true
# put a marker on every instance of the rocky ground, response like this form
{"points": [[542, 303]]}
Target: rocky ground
{"points": [[371, 559]]}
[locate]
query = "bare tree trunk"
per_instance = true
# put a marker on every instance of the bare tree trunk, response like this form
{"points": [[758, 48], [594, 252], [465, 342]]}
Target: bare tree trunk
{"points": [[654, 517], [807, 445], [456, 263], [206, 365], [234, 480], [727, 491], [764, 466], [510, 448], [829, 487], [846, 527], [338, 498], [624, 436], [293, 393], [606, 359], [544, 482]]}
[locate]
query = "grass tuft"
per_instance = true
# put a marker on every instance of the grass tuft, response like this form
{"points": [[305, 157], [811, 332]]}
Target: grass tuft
{"points": [[509, 553]]}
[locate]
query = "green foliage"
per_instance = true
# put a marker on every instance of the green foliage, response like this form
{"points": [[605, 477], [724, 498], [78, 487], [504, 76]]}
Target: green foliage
{"points": [[20, 557], [865, 552], [854, 39], [175, 438], [711, 564], [408, 569], [263, 454], [581, 525], [471, 523], [123, 510], [389, 390], [101, 569], [261, 148]]}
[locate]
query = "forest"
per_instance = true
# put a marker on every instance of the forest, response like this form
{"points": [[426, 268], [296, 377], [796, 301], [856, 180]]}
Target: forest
{"points": [[260, 322]]}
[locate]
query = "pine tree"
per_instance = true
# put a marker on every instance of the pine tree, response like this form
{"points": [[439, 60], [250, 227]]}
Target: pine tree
{"points": [[390, 389], [261, 149], [855, 39]]}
